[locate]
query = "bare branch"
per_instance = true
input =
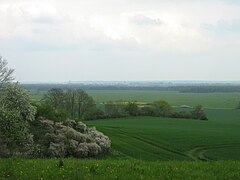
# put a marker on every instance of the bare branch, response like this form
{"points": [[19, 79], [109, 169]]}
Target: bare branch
{"points": [[6, 74]]}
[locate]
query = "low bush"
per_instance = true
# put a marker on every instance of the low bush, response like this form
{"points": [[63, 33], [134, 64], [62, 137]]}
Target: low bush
{"points": [[70, 138]]}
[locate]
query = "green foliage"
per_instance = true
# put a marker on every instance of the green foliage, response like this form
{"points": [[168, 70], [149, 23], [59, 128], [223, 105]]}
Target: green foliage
{"points": [[94, 114], [182, 114], [16, 112], [198, 113], [162, 108], [50, 112], [84, 103], [14, 134], [132, 109], [114, 110], [55, 97], [148, 111], [13, 97]]}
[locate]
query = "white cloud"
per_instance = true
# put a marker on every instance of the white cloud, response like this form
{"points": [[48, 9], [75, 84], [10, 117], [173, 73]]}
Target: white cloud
{"points": [[121, 28]]}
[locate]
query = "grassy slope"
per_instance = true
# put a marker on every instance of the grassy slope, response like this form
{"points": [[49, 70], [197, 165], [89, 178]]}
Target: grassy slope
{"points": [[116, 169], [153, 138]]}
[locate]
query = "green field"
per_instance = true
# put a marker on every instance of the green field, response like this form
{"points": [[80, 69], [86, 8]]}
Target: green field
{"points": [[208, 100], [212, 100], [153, 138]]}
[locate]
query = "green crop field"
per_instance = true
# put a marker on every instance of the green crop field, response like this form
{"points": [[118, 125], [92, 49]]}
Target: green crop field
{"points": [[153, 138], [212, 100]]}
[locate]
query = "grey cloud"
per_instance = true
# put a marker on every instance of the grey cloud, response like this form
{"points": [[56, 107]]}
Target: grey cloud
{"points": [[45, 20], [141, 19], [223, 26]]}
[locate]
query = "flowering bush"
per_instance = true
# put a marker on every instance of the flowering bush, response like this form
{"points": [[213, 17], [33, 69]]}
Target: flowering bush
{"points": [[16, 112], [70, 138]]}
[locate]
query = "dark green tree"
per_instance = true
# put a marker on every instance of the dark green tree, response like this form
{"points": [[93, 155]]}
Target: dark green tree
{"points": [[132, 109], [162, 108], [55, 97], [50, 112], [198, 113], [84, 103], [70, 102], [114, 110]]}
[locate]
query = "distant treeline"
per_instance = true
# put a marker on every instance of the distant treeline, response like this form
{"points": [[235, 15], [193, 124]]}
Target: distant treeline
{"points": [[182, 89]]}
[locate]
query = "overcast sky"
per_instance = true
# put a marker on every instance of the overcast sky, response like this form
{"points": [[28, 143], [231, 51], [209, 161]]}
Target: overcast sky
{"points": [[80, 40]]}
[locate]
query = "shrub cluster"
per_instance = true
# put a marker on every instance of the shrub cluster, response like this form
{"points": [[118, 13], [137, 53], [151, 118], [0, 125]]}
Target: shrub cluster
{"points": [[156, 109], [162, 109], [111, 111], [71, 138]]}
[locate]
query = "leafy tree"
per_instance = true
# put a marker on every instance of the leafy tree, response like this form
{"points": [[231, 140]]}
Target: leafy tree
{"points": [[6, 74], [84, 103], [114, 110], [162, 108], [55, 97], [132, 109], [16, 112], [198, 113], [14, 134], [75, 102], [13, 97], [70, 102]]}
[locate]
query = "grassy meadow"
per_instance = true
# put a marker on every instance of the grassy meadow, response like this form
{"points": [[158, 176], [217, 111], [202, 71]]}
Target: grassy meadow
{"points": [[22, 169]]}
